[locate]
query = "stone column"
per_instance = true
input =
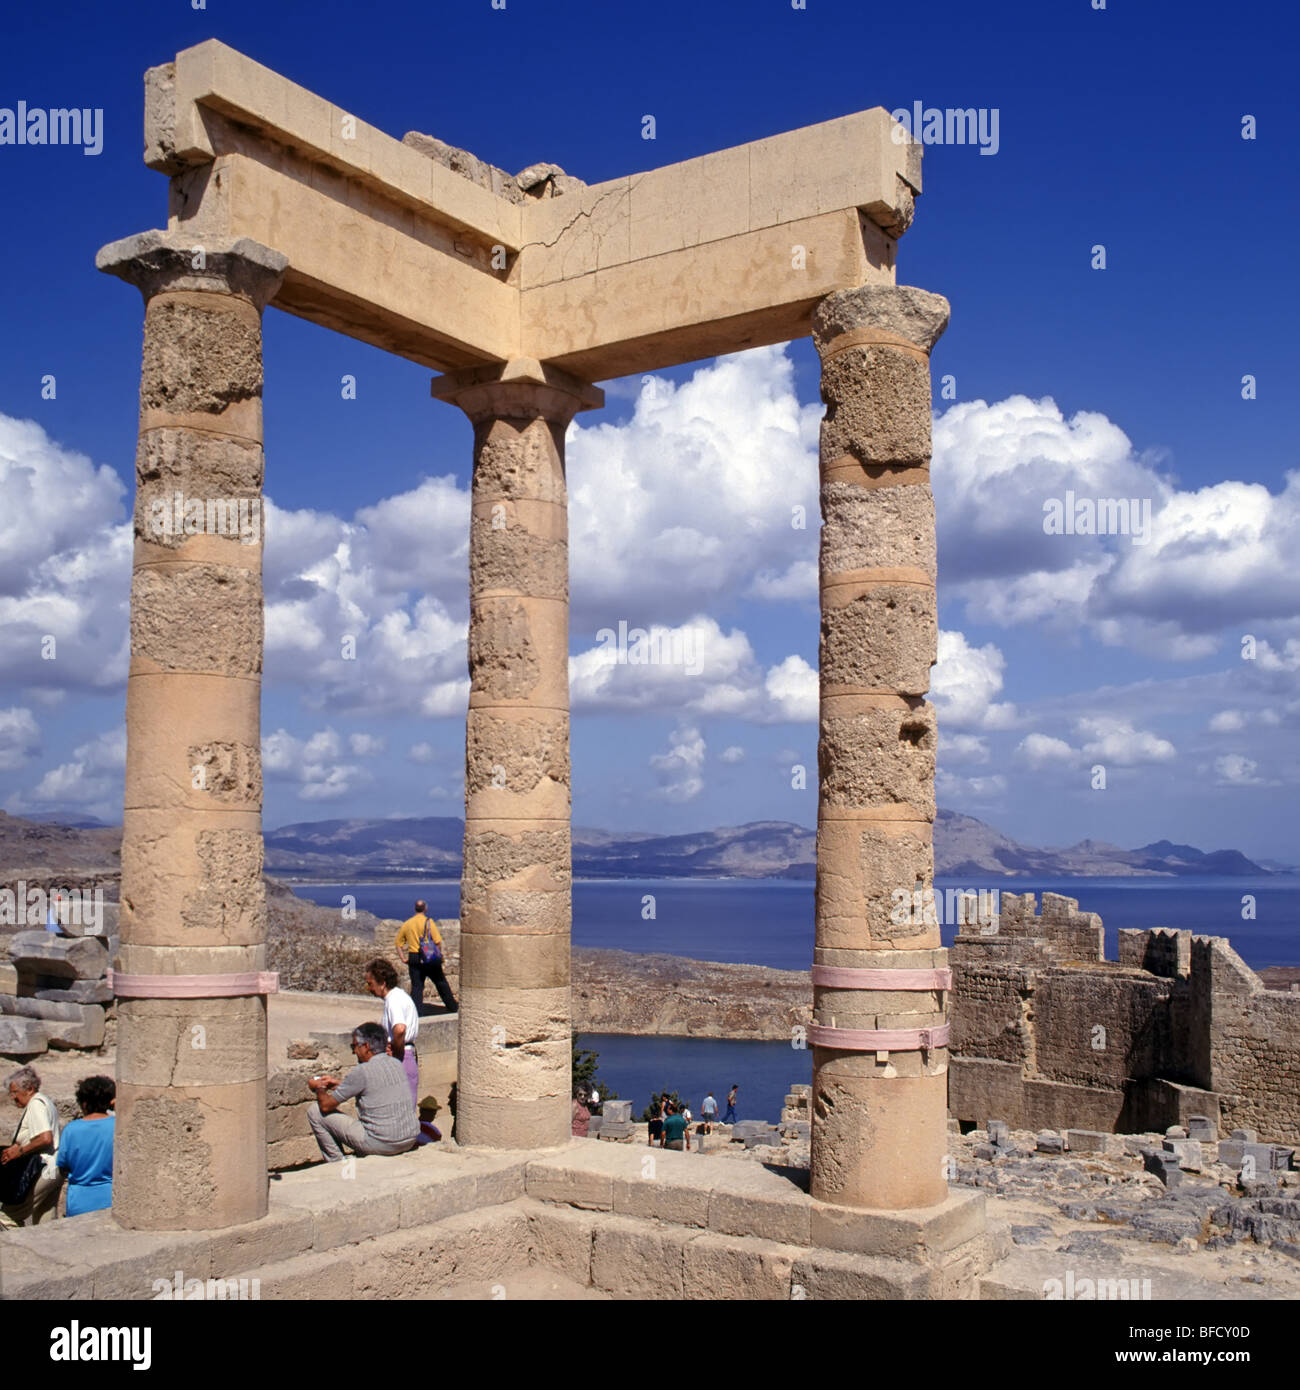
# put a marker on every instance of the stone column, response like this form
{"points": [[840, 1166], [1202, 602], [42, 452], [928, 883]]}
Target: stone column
{"points": [[191, 1047], [879, 1038], [514, 1085]]}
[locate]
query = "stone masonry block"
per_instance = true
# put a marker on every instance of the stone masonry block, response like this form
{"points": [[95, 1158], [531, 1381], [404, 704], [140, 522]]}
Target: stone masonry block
{"points": [[79, 992], [200, 358], [23, 1037], [196, 464], [200, 618], [663, 1195], [877, 407], [325, 1274], [435, 1199], [885, 639], [722, 1267], [516, 754], [513, 558], [503, 659], [879, 757], [876, 528], [575, 1187], [785, 1218], [561, 1239], [73, 958], [633, 1260], [514, 459], [827, 1275]]}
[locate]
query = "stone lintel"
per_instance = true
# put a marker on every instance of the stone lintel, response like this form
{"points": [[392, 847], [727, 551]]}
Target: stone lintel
{"points": [[729, 250]]}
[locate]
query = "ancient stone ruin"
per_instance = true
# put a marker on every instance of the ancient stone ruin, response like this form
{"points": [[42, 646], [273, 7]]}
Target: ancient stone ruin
{"points": [[521, 293], [54, 989], [1048, 1033]]}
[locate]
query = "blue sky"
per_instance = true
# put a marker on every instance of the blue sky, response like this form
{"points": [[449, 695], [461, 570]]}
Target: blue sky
{"points": [[1116, 128]]}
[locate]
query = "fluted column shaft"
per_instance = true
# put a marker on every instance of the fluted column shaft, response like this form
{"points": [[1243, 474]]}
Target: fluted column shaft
{"points": [[514, 1084], [879, 1113], [190, 1151]]}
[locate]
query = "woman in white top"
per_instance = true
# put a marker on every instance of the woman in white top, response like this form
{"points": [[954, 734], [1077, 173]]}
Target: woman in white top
{"points": [[37, 1133], [401, 1019]]}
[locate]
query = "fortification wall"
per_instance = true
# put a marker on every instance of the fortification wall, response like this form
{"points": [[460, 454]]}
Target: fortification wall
{"points": [[1048, 1034]]}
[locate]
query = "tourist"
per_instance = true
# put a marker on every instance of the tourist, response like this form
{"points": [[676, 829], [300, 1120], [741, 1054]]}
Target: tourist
{"points": [[401, 1021], [656, 1130], [730, 1117], [593, 1101], [676, 1135], [420, 941], [86, 1147], [385, 1122], [708, 1111], [429, 1132], [37, 1134], [581, 1114]]}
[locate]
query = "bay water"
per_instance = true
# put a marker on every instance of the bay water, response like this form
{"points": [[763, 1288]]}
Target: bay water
{"points": [[770, 922]]}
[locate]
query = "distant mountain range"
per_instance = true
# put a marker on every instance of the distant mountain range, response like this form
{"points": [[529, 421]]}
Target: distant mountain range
{"points": [[431, 847], [964, 845], [760, 849]]}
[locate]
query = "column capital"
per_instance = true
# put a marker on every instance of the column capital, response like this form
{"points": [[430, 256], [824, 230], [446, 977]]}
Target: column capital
{"points": [[887, 315], [160, 262], [522, 388]]}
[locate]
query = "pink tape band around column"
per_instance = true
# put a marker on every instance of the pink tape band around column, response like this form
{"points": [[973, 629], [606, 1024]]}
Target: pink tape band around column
{"points": [[193, 986], [843, 977], [879, 1039]]}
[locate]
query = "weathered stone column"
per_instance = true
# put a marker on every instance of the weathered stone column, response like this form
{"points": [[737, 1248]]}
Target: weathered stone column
{"points": [[514, 1075], [880, 1054], [191, 1048]]}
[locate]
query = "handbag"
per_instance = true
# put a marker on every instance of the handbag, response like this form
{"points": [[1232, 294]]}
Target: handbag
{"points": [[430, 951], [18, 1177]]}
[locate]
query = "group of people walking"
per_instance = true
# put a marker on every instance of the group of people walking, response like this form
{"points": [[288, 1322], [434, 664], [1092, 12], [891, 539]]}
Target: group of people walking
{"points": [[44, 1153], [670, 1122]]}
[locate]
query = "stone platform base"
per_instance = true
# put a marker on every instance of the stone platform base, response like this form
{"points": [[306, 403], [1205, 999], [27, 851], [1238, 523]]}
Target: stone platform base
{"points": [[601, 1218]]}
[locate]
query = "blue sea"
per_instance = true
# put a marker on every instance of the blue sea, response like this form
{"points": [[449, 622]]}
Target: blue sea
{"points": [[770, 922]]}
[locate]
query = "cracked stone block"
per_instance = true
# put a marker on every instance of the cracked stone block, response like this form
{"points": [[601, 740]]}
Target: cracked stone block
{"points": [[1202, 1127]]}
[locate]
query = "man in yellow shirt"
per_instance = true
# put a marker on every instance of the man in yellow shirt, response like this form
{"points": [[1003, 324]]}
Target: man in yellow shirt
{"points": [[410, 935]]}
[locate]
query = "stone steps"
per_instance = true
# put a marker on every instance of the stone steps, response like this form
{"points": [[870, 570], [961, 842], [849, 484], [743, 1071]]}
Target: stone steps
{"points": [[443, 1221]]}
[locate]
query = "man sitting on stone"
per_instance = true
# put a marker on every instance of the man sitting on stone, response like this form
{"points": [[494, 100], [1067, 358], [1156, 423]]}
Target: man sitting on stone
{"points": [[386, 1122]]}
